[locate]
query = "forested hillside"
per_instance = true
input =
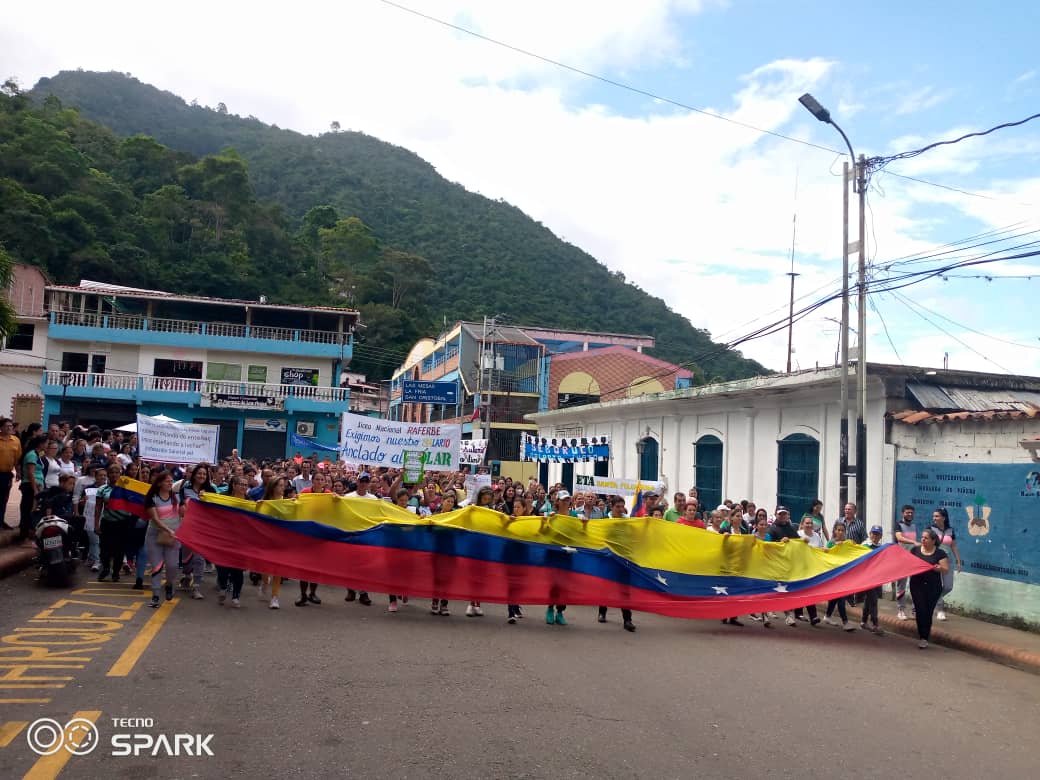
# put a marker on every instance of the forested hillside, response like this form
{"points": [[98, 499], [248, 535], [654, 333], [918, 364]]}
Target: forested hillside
{"points": [[342, 217]]}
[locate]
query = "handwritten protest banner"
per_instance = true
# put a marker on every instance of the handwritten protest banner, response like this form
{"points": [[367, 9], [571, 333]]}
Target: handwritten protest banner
{"points": [[472, 451], [474, 482], [383, 442], [175, 442], [614, 486]]}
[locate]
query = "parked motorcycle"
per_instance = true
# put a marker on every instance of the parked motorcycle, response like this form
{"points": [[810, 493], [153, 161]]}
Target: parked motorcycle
{"points": [[56, 553]]}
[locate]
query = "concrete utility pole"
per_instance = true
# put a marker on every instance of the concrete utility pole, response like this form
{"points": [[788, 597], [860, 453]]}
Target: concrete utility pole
{"points": [[859, 186], [861, 354]]}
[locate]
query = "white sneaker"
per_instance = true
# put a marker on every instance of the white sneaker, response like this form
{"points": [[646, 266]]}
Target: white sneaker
{"points": [[940, 615], [790, 621], [831, 621], [848, 626], [95, 567], [196, 593], [477, 611], [469, 611], [901, 615], [392, 607], [923, 644], [274, 603], [236, 604]]}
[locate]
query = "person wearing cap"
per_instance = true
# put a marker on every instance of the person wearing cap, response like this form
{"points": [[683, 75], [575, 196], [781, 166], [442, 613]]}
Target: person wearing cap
{"points": [[870, 597], [562, 506], [782, 530], [364, 481]]}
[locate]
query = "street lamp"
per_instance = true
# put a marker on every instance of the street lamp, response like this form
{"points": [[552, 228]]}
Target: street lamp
{"points": [[812, 105]]}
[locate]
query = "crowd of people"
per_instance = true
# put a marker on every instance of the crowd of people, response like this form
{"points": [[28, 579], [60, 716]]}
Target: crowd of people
{"points": [[71, 472]]}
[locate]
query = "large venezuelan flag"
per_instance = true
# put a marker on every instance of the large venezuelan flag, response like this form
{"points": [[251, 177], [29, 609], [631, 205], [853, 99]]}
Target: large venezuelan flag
{"points": [[128, 496], [646, 564]]}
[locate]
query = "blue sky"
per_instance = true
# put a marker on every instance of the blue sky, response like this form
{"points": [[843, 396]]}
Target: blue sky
{"points": [[690, 208]]}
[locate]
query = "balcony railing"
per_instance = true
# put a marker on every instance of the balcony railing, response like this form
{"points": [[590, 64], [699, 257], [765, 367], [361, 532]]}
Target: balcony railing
{"points": [[133, 382], [192, 327]]}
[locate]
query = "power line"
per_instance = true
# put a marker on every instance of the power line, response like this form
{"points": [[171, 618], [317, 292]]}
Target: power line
{"points": [[888, 336], [911, 305], [952, 189], [603, 79], [962, 326], [880, 162]]}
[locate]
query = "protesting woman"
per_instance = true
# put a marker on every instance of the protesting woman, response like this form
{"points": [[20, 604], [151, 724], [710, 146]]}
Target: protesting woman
{"points": [[229, 579], [163, 521], [948, 543], [926, 587], [193, 564], [275, 491]]}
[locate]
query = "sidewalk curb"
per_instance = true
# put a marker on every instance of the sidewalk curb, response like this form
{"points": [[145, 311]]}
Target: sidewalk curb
{"points": [[15, 558], [1011, 656]]}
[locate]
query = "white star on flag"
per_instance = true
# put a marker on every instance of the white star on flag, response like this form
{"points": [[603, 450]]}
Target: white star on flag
{"points": [[720, 590], [780, 588], [569, 549], [661, 579]]}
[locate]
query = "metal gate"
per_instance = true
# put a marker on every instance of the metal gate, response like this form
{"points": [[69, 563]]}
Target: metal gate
{"points": [[798, 473], [708, 473]]}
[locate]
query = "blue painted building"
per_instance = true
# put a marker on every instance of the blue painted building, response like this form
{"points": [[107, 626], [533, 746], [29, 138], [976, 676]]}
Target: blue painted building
{"points": [[260, 371]]}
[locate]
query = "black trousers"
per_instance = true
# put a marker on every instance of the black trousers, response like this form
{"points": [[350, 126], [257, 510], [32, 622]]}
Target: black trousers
{"points": [[113, 547], [25, 508], [925, 593], [234, 577], [840, 604], [870, 602], [626, 614]]}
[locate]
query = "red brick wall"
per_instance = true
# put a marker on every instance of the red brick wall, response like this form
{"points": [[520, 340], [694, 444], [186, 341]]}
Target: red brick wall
{"points": [[613, 371]]}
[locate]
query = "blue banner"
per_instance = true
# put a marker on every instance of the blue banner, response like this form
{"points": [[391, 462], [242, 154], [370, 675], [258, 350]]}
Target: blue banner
{"points": [[414, 391], [303, 443], [565, 450], [994, 510]]}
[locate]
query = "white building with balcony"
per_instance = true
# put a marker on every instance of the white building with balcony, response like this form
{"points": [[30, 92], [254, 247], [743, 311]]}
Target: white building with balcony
{"points": [[260, 371]]}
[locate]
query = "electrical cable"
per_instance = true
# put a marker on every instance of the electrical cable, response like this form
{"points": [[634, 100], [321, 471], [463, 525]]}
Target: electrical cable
{"points": [[968, 328], [603, 79], [880, 162], [911, 305]]}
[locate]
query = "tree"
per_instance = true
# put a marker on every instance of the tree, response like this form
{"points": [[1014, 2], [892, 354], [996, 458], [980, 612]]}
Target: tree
{"points": [[7, 312], [346, 251], [404, 273], [334, 127], [222, 109]]}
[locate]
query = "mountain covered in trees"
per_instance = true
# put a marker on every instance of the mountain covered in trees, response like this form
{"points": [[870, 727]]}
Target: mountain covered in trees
{"points": [[104, 177]]}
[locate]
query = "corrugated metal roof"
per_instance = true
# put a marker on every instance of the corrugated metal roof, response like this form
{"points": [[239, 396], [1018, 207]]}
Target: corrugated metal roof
{"points": [[942, 398], [502, 333]]}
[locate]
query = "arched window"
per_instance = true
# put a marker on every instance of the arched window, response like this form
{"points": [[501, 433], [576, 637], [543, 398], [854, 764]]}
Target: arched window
{"points": [[648, 458], [798, 473], [708, 471]]}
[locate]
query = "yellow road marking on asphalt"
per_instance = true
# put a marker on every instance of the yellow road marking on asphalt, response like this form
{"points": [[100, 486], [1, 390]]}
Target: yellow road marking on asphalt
{"points": [[10, 730], [48, 767], [125, 663], [25, 701]]}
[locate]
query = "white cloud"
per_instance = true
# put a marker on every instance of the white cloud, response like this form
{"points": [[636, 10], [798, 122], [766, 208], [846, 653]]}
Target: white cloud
{"points": [[922, 99], [692, 209]]}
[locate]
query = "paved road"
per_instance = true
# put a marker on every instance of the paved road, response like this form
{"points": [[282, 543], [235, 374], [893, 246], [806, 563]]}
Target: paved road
{"points": [[343, 690]]}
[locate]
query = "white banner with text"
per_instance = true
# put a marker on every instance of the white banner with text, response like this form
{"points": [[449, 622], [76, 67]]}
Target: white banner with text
{"points": [[376, 442], [176, 442]]}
